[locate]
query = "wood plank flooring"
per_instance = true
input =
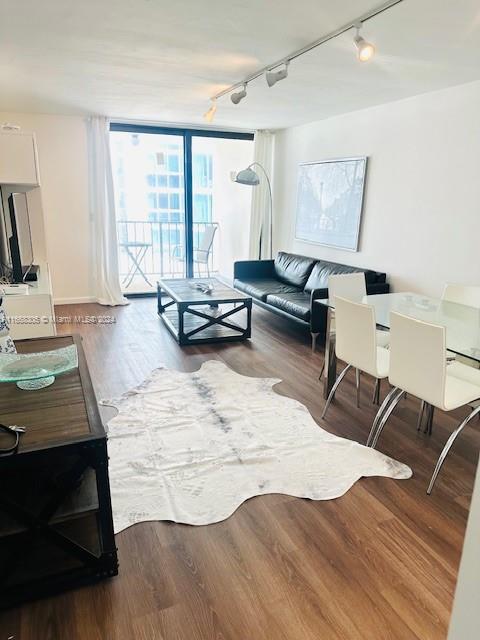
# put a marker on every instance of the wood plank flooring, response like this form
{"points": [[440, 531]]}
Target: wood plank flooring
{"points": [[380, 563]]}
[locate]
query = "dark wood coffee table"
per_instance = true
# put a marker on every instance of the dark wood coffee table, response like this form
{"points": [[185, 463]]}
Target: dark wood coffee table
{"points": [[195, 317], [56, 528]]}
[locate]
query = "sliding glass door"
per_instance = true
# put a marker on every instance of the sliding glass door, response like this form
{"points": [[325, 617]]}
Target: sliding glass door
{"points": [[149, 182], [178, 212]]}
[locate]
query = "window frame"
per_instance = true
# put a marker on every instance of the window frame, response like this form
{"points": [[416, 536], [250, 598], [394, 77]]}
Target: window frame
{"points": [[187, 135]]}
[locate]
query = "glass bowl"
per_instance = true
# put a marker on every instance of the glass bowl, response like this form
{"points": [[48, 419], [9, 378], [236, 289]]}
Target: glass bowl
{"points": [[33, 371]]}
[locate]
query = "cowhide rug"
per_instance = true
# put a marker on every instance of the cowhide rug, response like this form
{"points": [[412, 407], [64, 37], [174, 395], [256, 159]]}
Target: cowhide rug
{"points": [[191, 447]]}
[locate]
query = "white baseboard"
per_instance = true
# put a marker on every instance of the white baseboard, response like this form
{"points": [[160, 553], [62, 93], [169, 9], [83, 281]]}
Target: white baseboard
{"points": [[84, 300]]}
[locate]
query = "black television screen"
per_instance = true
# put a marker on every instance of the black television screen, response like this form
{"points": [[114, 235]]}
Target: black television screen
{"points": [[19, 236]]}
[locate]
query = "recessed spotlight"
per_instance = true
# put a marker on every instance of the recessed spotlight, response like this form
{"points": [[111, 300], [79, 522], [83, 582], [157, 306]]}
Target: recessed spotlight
{"points": [[239, 96], [365, 50]]}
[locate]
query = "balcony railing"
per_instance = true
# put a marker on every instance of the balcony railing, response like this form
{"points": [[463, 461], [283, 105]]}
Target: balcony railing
{"points": [[151, 250]]}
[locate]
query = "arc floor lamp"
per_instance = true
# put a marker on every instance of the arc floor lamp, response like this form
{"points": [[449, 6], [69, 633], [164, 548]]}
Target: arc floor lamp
{"points": [[251, 178]]}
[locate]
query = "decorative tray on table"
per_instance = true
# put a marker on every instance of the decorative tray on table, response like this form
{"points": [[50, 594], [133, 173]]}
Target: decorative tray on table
{"points": [[37, 370]]}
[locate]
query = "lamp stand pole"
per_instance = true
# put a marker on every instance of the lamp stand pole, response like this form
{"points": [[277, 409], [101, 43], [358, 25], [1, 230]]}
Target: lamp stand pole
{"points": [[257, 164]]}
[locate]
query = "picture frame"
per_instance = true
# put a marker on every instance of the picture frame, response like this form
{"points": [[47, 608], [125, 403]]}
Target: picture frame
{"points": [[330, 200]]}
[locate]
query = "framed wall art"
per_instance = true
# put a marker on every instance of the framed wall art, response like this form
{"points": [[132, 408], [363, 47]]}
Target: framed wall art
{"points": [[330, 201]]}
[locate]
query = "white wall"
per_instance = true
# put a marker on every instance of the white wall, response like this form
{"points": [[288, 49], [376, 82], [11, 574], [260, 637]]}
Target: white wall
{"points": [[62, 152], [421, 219]]}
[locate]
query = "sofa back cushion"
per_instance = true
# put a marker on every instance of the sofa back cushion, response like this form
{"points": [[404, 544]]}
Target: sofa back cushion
{"points": [[293, 269], [322, 270]]}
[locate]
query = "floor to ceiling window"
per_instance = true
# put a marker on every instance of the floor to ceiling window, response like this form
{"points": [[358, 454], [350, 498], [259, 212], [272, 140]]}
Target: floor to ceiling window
{"points": [[178, 212]]}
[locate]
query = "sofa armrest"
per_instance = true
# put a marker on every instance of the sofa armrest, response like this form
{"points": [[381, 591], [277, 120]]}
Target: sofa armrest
{"points": [[318, 312], [378, 287], [318, 294], [381, 278], [246, 269]]}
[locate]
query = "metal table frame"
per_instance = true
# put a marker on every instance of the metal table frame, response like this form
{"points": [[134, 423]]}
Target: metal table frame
{"points": [[136, 259]]}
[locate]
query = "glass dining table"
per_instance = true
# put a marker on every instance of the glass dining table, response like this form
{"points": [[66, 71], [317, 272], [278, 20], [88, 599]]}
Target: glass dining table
{"points": [[462, 325]]}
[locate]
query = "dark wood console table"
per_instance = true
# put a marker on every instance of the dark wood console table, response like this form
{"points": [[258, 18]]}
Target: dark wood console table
{"points": [[56, 528]]}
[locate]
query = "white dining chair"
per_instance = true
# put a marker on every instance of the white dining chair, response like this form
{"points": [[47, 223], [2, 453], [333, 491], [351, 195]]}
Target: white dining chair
{"points": [[462, 294], [352, 286], [356, 344], [418, 366]]}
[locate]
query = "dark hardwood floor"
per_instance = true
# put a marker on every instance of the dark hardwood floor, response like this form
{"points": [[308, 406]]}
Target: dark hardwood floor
{"points": [[380, 563]]}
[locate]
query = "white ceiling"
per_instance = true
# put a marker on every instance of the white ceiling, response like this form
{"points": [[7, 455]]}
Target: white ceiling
{"points": [[159, 60]]}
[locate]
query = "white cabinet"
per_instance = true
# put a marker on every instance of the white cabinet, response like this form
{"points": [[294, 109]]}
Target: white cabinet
{"points": [[32, 315], [18, 159]]}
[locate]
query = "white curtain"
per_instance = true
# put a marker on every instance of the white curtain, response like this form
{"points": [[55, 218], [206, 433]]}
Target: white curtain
{"points": [[259, 246], [106, 280]]}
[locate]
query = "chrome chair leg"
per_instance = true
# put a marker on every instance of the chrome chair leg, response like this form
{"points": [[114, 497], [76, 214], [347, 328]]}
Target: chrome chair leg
{"points": [[385, 403], [376, 392], [386, 416], [322, 370], [429, 423], [314, 340], [357, 384], [420, 415], [448, 446], [334, 388]]}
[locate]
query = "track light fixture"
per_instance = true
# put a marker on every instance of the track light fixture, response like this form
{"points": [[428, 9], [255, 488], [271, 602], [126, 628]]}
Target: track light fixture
{"points": [[210, 114], [240, 95], [272, 77], [365, 50]]}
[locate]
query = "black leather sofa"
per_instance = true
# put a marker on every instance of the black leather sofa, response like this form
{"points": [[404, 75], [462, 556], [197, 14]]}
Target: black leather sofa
{"points": [[289, 285]]}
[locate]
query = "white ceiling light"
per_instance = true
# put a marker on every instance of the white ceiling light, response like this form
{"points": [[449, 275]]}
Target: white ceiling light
{"points": [[210, 114], [365, 50], [239, 96], [272, 77]]}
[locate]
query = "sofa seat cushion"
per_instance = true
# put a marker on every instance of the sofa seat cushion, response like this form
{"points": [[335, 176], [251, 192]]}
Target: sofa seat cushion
{"points": [[259, 288], [293, 269], [295, 304], [318, 278]]}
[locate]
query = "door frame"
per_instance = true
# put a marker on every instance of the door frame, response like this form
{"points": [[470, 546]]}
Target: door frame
{"points": [[187, 135]]}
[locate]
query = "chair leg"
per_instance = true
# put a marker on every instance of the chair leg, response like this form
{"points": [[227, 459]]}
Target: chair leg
{"points": [[385, 404], [386, 416], [357, 384], [429, 423], [314, 339], [420, 414], [448, 446], [334, 388], [322, 370], [376, 392]]}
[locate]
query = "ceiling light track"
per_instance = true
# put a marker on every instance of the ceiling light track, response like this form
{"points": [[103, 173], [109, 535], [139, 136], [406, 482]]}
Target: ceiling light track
{"points": [[365, 52]]}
